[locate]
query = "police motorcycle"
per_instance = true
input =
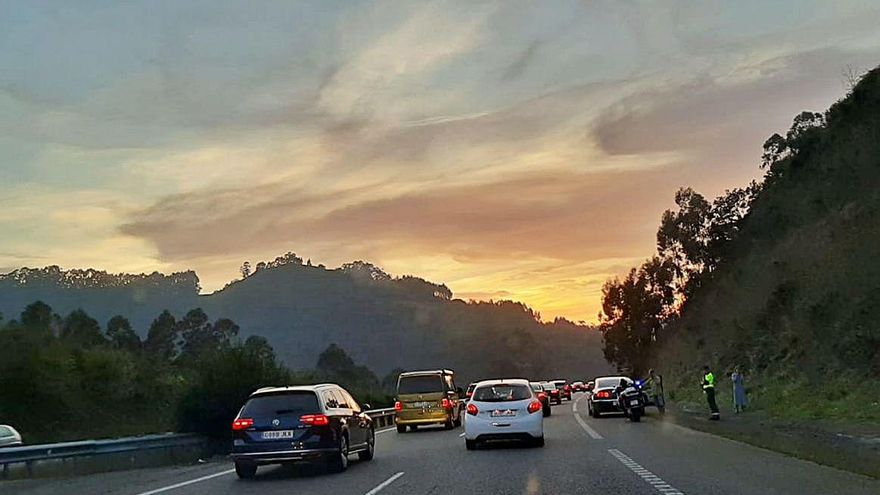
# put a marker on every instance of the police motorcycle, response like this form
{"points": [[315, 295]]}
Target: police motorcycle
{"points": [[632, 401]]}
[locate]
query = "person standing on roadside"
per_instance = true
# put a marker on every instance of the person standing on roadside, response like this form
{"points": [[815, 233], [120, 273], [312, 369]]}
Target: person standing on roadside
{"points": [[739, 390], [654, 385], [708, 383]]}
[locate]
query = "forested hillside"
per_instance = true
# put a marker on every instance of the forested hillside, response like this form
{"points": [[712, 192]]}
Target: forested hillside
{"points": [[383, 322], [781, 277]]}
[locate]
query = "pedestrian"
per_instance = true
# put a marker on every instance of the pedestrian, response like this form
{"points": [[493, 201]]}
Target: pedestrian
{"points": [[739, 390], [708, 383], [654, 384]]}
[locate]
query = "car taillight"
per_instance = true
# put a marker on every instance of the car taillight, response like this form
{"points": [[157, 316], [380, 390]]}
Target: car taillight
{"points": [[603, 394], [445, 403], [398, 406], [472, 409], [242, 424], [567, 388], [534, 406], [314, 419], [542, 395]]}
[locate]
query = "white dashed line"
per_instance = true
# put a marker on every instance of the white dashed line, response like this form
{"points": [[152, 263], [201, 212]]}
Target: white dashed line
{"points": [[385, 483], [190, 482], [590, 431], [649, 477], [461, 435]]}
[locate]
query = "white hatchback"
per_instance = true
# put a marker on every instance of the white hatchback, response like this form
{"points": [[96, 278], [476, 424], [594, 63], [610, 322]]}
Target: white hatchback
{"points": [[504, 409]]}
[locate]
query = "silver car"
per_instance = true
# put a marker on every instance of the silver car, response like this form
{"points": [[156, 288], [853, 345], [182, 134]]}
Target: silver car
{"points": [[9, 437]]}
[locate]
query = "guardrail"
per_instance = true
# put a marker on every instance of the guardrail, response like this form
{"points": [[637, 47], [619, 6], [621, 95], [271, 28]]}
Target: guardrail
{"points": [[61, 458]]}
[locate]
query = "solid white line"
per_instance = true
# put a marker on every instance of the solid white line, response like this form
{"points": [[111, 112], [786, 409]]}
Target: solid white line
{"points": [[190, 482], [385, 483], [386, 430], [590, 431], [649, 477]]}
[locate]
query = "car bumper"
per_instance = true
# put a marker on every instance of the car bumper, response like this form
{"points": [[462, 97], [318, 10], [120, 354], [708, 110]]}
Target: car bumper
{"points": [[605, 405], [303, 455], [476, 428], [422, 419]]}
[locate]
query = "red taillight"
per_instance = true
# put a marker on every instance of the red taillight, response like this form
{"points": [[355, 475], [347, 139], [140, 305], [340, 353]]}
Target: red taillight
{"points": [[398, 406], [567, 388], [314, 420], [242, 424], [534, 406], [542, 395], [472, 409], [603, 394], [445, 403]]}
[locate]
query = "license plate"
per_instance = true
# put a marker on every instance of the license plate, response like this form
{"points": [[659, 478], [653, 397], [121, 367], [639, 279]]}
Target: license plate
{"points": [[278, 434], [420, 405], [499, 413], [633, 402]]}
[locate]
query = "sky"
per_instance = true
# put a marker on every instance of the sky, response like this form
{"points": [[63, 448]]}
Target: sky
{"points": [[511, 150]]}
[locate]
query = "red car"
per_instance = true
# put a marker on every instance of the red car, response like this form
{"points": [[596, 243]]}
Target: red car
{"points": [[564, 388]]}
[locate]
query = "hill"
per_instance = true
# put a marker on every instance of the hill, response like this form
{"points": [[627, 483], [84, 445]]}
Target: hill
{"points": [[381, 321]]}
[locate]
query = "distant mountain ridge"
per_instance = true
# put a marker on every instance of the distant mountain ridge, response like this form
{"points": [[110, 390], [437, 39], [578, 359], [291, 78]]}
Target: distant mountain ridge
{"points": [[381, 321]]}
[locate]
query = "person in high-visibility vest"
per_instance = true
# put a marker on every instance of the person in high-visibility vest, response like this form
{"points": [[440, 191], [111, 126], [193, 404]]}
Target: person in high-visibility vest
{"points": [[709, 389]]}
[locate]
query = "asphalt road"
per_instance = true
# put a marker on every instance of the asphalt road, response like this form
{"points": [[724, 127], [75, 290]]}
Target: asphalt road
{"points": [[582, 456]]}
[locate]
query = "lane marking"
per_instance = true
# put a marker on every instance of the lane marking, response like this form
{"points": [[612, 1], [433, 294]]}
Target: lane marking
{"points": [[190, 482], [383, 484], [386, 430], [590, 431], [461, 435], [649, 477]]}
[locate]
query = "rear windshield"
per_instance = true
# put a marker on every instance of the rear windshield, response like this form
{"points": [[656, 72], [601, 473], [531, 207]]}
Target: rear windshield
{"points": [[5, 431], [294, 403], [536, 387], [501, 393], [420, 384], [560, 384], [608, 382]]}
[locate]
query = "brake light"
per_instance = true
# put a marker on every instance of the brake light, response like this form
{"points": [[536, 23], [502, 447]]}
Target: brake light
{"points": [[314, 419], [445, 403], [472, 409], [534, 406], [398, 406], [242, 424], [542, 395], [567, 388], [603, 394]]}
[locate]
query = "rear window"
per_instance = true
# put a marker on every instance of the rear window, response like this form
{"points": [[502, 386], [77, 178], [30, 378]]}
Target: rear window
{"points": [[420, 384], [608, 382], [536, 387], [501, 392], [5, 431], [294, 403], [560, 385]]}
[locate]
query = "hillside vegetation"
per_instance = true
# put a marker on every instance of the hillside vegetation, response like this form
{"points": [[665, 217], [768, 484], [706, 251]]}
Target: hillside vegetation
{"points": [[781, 277]]}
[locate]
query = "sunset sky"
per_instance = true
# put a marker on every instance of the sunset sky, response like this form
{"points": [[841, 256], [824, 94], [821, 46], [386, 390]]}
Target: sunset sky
{"points": [[512, 150]]}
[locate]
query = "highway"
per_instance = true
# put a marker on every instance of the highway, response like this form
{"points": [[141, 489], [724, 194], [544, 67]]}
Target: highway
{"points": [[583, 455]]}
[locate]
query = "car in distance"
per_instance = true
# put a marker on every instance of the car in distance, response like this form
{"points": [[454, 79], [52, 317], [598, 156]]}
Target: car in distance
{"points": [[589, 386], [564, 388], [470, 390], [553, 394], [603, 399], [427, 397], [542, 396], [9, 437], [504, 409], [577, 386], [310, 423]]}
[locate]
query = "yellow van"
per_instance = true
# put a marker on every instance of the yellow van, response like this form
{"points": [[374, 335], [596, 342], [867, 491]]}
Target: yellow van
{"points": [[427, 397]]}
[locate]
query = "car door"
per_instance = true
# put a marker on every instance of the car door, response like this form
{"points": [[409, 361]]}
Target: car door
{"points": [[363, 421], [356, 435]]}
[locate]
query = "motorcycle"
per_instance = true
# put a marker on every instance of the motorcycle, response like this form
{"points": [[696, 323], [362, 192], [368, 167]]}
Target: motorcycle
{"points": [[632, 401]]}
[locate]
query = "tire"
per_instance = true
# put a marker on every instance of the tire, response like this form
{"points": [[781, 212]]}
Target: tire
{"points": [[595, 412], [635, 415], [538, 442], [401, 428], [245, 471], [367, 455], [547, 411], [339, 460], [470, 444]]}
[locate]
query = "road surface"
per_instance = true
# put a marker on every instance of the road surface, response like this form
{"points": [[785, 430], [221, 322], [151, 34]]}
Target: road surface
{"points": [[583, 455]]}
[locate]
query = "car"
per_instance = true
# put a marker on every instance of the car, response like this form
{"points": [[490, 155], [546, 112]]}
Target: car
{"points": [[539, 391], [603, 398], [504, 409], [554, 394], [9, 437], [470, 390], [309, 423], [427, 397], [589, 386], [577, 386], [564, 388]]}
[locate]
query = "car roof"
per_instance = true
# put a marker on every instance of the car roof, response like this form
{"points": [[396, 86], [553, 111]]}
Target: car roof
{"points": [[428, 372], [293, 388], [506, 381]]}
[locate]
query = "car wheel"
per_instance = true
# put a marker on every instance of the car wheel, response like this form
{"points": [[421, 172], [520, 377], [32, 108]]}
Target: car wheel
{"points": [[245, 470], [538, 442], [401, 428], [367, 455], [339, 460], [470, 444]]}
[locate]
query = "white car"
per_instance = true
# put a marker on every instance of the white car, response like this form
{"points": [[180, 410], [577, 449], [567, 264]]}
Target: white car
{"points": [[9, 437], [504, 409]]}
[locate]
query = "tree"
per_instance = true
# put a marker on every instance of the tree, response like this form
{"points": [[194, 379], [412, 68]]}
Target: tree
{"points": [[683, 236], [162, 336], [80, 329], [775, 150], [245, 269], [37, 316], [121, 335]]}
